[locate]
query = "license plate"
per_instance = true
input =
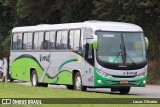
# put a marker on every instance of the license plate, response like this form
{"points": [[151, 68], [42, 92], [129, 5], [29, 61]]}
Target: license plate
{"points": [[124, 82]]}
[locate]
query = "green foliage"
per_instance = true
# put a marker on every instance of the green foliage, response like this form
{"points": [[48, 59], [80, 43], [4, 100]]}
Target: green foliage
{"points": [[32, 12], [22, 91], [77, 11], [21, 9]]}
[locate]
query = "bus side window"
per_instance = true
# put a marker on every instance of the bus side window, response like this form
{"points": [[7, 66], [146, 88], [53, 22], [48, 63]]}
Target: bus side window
{"points": [[35, 43], [71, 39], [38, 41], [41, 40], [74, 40], [77, 40], [52, 40], [59, 33], [61, 43], [47, 40], [64, 40], [30, 39], [17, 41], [14, 42], [27, 41]]}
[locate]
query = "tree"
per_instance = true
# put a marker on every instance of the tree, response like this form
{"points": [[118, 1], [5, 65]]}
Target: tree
{"points": [[32, 12], [77, 11]]}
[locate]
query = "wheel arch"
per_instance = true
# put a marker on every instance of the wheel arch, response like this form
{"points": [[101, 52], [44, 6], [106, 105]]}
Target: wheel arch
{"points": [[31, 70], [74, 71]]}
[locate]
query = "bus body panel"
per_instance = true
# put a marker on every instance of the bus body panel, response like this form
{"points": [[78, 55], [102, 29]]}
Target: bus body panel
{"points": [[58, 70]]}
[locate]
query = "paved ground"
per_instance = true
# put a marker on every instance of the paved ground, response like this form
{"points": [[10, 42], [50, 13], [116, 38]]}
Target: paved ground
{"points": [[150, 91]]}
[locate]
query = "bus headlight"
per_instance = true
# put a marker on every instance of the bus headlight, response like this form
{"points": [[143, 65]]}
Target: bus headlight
{"points": [[103, 73], [142, 75]]}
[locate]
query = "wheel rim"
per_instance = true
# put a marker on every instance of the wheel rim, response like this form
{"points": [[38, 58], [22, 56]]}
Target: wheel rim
{"points": [[34, 80], [78, 82]]}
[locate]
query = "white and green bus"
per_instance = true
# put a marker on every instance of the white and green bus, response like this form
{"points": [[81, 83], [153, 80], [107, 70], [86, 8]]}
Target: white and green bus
{"points": [[79, 55]]}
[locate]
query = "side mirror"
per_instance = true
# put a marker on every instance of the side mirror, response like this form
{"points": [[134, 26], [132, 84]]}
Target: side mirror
{"points": [[95, 43], [92, 39], [147, 43]]}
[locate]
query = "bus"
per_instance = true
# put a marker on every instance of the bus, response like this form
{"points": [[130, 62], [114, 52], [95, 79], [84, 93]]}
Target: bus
{"points": [[90, 54]]}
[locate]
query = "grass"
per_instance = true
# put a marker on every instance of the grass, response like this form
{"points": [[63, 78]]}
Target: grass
{"points": [[11, 90]]}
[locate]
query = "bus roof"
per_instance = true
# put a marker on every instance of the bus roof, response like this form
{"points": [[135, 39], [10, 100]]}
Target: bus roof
{"points": [[95, 25]]}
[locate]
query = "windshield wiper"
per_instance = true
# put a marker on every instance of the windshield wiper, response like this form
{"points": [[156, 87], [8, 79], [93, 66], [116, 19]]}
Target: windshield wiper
{"points": [[129, 57], [124, 54], [118, 54]]}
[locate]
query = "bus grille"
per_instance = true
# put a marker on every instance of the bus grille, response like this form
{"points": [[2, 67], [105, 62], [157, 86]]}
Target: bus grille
{"points": [[123, 76]]}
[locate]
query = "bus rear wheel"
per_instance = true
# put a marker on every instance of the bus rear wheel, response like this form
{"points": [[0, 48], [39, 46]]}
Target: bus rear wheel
{"points": [[78, 83], [34, 78], [1, 75], [43, 84], [124, 90], [11, 79]]}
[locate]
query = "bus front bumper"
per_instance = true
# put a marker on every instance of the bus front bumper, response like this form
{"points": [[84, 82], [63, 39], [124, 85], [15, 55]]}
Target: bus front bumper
{"points": [[100, 81]]}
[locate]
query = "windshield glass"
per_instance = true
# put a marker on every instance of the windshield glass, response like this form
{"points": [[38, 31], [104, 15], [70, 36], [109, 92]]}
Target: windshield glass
{"points": [[114, 46]]}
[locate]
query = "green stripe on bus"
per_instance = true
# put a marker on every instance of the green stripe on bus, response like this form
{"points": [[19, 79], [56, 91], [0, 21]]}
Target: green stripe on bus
{"points": [[67, 61], [20, 68], [64, 77]]}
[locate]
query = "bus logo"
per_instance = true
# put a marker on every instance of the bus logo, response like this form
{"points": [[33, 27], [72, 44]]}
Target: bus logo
{"points": [[123, 66], [129, 73]]}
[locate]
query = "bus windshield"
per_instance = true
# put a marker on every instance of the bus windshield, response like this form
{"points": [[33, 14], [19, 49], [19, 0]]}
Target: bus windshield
{"points": [[121, 47]]}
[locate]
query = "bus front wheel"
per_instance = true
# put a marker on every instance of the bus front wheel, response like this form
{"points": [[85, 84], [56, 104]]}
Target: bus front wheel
{"points": [[34, 78], [124, 90], [70, 87], [78, 83]]}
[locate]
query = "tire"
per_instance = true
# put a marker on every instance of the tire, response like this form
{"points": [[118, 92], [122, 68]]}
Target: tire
{"points": [[124, 90], [34, 78], [78, 83], [70, 87], [43, 84], [1, 75], [11, 79], [113, 89]]}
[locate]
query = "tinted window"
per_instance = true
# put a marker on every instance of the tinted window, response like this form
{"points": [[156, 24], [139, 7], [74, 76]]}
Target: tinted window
{"points": [[74, 40], [17, 41], [52, 40], [111, 49], [49, 40], [38, 41], [27, 41], [35, 41], [30, 39], [61, 43]]}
